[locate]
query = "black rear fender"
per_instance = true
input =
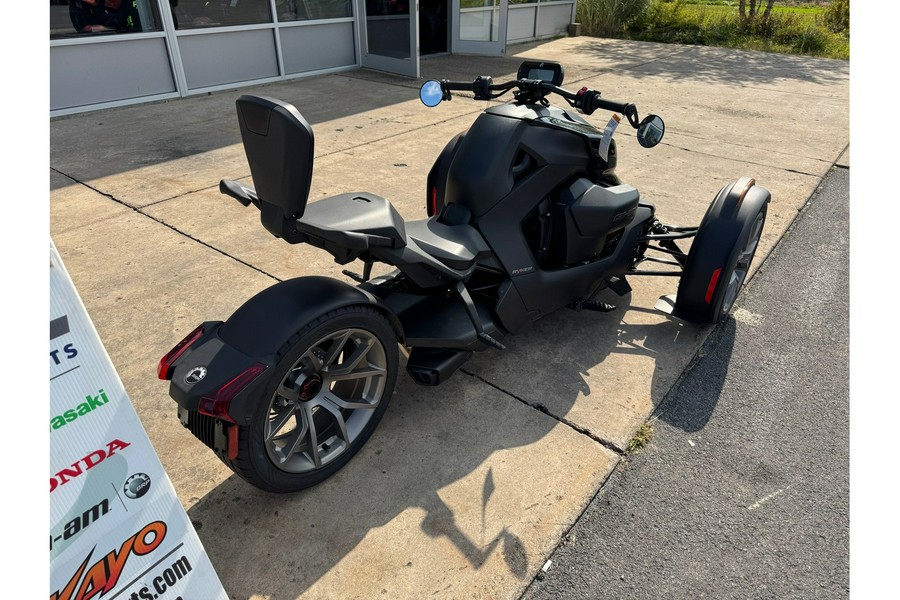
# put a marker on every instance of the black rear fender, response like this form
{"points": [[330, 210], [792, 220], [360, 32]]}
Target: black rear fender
{"points": [[255, 335]]}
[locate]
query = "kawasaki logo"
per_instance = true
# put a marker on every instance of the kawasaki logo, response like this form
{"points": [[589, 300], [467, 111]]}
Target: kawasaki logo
{"points": [[90, 403], [86, 463]]}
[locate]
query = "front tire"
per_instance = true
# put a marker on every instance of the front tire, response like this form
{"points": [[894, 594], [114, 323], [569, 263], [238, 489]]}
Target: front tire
{"points": [[330, 388]]}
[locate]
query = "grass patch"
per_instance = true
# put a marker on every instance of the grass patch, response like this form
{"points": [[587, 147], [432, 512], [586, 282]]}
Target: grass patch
{"points": [[790, 29], [641, 438]]}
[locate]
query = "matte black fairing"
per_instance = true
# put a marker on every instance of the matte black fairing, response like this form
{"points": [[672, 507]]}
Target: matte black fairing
{"points": [[511, 158], [489, 161]]}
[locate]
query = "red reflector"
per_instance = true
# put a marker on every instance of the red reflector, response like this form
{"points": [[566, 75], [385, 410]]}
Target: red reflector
{"points": [[232, 442], [164, 368], [712, 285], [218, 403], [433, 207]]}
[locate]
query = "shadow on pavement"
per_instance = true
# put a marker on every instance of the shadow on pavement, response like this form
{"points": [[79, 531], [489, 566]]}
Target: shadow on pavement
{"points": [[429, 439], [704, 389]]}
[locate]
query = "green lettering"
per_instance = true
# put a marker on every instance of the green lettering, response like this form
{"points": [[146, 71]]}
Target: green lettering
{"points": [[95, 401], [92, 402]]}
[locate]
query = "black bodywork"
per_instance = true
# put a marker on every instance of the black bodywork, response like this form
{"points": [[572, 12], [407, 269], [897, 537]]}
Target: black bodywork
{"points": [[524, 217]]}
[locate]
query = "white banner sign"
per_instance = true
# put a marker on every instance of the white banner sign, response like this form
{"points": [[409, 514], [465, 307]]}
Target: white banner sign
{"points": [[117, 529]]}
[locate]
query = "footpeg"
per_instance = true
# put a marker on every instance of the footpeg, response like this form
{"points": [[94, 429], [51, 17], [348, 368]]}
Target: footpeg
{"points": [[487, 340], [580, 305], [666, 304]]}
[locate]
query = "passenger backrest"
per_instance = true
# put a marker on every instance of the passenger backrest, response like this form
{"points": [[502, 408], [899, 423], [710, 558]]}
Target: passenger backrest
{"points": [[279, 146]]}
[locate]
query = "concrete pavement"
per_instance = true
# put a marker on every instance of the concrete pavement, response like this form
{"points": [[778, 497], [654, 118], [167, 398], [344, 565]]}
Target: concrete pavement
{"points": [[756, 503], [464, 490]]}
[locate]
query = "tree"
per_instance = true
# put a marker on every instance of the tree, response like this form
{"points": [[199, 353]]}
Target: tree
{"points": [[755, 8]]}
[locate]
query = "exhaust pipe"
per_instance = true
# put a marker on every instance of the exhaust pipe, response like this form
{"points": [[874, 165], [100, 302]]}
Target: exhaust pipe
{"points": [[432, 366]]}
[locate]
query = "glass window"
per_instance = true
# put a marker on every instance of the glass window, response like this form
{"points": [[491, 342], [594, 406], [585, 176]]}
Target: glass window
{"points": [[76, 18], [303, 10], [198, 14]]}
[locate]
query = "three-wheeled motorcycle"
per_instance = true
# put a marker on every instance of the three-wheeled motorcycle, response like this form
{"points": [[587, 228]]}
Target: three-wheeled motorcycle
{"points": [[525, 215]]}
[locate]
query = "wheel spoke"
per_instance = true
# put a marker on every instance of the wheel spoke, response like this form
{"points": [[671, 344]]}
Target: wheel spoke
{"points": [[292, 443], [364, 373], [337, 346], [313, 446], [338, 417], [349, 363], [340, 402], [281, 419]]}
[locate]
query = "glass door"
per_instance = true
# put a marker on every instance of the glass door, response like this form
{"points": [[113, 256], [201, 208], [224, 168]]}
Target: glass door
{"points": [[389, 36], [479, 27]]}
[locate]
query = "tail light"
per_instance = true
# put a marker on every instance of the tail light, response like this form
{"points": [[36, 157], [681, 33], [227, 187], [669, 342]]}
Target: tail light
{"points": [[217, 404], [165, 367]]}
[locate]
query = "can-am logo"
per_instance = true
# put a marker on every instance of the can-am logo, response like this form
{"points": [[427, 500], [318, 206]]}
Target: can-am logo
{"points": [[195, 375], [86, 463], [137, 485]]}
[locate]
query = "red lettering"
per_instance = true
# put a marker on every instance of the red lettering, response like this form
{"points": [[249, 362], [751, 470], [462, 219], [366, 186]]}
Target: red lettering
{"points": [[89, 460], [116, 445], [75, 471]]}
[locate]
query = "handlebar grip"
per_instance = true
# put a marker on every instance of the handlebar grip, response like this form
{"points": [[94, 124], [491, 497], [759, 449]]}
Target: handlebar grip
{"points": [[589, 100], [456, 86], [609, 105]]}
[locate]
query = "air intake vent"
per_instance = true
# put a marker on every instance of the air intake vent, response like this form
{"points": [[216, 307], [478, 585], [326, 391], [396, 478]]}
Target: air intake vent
{"points": [[522, 166]]}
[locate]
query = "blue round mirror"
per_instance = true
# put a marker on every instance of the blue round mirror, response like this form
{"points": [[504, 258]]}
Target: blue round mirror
{"points": [[431, 93]]}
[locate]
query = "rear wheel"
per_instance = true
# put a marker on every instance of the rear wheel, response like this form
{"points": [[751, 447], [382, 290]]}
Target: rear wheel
{"points": [[721, 254], [330, 389]]}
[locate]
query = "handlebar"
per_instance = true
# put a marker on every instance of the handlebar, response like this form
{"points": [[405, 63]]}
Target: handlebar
{"points": [[585, 100]]}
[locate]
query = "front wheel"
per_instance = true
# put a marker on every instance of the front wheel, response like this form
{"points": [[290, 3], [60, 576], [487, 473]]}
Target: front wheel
{"points": [[330, 388], [720, 256]]}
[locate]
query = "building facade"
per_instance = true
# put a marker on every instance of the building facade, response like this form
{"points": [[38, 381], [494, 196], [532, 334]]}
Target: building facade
{"points": [[106, 53]]}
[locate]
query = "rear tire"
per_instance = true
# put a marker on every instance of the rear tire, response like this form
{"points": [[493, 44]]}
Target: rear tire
{"points": [[721, 254], [329, 390]]}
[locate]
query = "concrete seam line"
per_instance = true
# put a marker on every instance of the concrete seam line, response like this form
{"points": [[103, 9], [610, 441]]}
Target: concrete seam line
{"points": [[541, 408], [172, 227], [713, 140], [786, 169]]}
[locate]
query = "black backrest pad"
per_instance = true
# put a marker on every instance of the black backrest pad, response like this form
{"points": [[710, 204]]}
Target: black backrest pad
{"points": [[279, 146]]}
